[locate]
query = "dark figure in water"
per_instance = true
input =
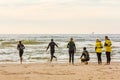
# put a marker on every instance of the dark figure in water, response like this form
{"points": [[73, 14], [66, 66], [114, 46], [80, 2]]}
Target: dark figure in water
{"points": [[72, 50], [52, 45], [21, 48], [86, 58]]}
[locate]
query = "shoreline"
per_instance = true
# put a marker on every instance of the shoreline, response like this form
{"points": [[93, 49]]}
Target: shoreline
{"points": [[53, 62]]}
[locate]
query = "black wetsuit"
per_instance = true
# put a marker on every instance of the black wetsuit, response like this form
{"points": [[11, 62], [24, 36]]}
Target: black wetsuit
{"points": [[72, 48], [86, 56], [52, 49], [21, 48]]}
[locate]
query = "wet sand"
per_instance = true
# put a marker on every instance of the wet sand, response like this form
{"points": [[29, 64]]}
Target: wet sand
{"points": [[59, 71]]}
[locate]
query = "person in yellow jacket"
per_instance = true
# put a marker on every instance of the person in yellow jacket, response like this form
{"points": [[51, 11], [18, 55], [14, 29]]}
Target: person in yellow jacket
{"points": [[108, 49], [98, 49]]}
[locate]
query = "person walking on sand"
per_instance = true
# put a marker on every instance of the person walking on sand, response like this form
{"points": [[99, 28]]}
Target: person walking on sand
{"points": [[108, 49], [86, 58], [21, 48], [72, 50], [98, 49], [52, 45]]}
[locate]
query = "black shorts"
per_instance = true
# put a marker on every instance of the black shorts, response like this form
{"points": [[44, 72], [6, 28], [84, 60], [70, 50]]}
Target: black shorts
{"points": [[21, 53]]}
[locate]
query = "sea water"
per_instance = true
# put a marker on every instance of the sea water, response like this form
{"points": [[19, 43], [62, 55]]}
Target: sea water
{"points": [[36, 44]]}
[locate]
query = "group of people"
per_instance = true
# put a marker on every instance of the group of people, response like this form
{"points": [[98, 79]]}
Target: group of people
{"points": [[72, 50], [108, 50]]}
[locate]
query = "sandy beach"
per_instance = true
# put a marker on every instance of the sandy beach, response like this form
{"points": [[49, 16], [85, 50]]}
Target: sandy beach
{"points": [[55, 71]]}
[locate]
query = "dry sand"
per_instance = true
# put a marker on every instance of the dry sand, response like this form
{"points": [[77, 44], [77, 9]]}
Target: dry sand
{"points": [[55, 71]]}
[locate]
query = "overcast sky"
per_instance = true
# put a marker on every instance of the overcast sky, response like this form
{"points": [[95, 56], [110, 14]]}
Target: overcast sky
{"points": [[59, 16]]}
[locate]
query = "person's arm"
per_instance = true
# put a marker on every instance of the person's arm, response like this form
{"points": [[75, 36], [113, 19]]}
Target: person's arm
{"points": [[75, 47], [18, 47], [68, 45], [23, 47], [82, 55], [48, 47], [101, 45], [110, 43], [87, 55], [95, 46], [56, 45], [105, 44]]}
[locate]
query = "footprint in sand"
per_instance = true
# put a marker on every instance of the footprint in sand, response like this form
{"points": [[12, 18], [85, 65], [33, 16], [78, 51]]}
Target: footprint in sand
{"points": [[3, 66], [110, 68]]}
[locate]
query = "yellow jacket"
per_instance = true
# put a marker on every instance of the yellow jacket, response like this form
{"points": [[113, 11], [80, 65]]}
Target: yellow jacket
{"points": [[107, 45], [98, 47]]}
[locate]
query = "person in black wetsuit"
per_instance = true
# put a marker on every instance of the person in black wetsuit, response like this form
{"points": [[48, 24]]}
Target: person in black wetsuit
{"points": [[72, 50], [21, 48], [52, 45], [86, 58]]}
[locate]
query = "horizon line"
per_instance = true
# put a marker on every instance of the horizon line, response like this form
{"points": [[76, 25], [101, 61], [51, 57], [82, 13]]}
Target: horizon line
{"points": [[54, 33]]}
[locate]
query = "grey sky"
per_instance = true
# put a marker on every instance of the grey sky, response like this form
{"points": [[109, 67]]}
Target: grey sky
{"points": [[59, 16]]}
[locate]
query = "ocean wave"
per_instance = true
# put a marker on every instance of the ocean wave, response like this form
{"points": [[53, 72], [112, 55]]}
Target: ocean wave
{"points": [[36, 46], [38, 58], [26, 42]]}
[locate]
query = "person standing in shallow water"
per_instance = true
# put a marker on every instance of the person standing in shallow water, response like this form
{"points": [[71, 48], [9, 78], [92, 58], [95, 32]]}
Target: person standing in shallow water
{"points": [[52, 45], [21, 48], [72, 50], [108, 49], [98, 49]]}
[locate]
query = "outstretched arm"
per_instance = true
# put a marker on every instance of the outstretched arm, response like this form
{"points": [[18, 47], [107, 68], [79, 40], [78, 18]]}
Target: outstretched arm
{"points": [[17, 47], [82, 55], [56, 45]]}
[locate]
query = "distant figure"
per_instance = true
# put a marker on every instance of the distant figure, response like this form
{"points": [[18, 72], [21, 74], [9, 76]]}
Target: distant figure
{"points": [[108, 49], [21, 48], [98, 49], [72, 50], [86, 58], [52, 45]]}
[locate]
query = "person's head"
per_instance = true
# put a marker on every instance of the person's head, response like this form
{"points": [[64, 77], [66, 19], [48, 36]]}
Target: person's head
{"points": [[52, 40], [97, 40], [20, 42], [71, 39], [106, 37], [84, 48]]}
